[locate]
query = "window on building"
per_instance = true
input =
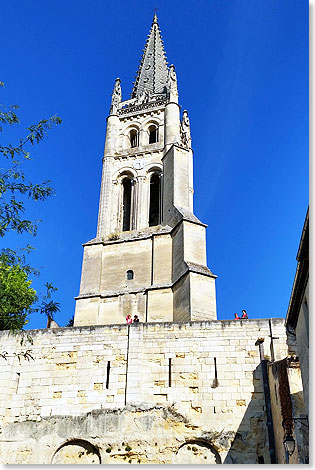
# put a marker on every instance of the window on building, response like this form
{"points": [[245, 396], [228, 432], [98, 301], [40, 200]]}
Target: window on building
{"points": [[129, 275], [153, 134], [133, 138], [127, 187], [107, 375], [155, 200]]}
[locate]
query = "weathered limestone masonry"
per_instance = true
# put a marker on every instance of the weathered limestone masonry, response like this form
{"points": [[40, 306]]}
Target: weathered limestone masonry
{"points": [[145, 393]]}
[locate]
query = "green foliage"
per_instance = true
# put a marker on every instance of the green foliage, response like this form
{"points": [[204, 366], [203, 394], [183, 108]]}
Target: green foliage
{"points": [[12, 257], [17, 297], [113, 236], [16, 293], [70, 322], [13, 181], [48, 306]]}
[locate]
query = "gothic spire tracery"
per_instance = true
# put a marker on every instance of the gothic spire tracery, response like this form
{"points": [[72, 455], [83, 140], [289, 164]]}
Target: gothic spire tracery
{"points": [[153, 72]]}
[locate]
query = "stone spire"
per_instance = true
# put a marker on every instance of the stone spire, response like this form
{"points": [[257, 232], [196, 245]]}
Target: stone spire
{"points": [[153, 72]]}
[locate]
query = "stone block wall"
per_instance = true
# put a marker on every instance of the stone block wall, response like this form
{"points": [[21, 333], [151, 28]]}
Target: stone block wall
{"points": [[165, 265], [155, 387]]}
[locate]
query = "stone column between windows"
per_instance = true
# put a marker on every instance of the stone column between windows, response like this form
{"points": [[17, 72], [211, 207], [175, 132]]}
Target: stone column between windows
{"points": [[142, 202], [103, 224], [134, 204]]}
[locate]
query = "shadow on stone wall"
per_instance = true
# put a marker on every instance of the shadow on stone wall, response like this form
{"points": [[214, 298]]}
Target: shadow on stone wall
{"points": [[250, 444], [197, 451], [76, 451]]}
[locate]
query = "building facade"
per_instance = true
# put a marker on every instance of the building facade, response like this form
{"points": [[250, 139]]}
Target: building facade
{"points": [[179, 387], [289, 377]]}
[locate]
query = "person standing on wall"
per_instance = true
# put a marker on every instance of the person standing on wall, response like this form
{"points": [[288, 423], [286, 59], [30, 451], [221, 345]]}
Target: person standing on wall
{"points": [[244, 316]]}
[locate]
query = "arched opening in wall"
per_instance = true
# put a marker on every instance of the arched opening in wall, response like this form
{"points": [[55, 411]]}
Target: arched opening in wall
{"points": [[197, 451], [129, 275], [155, 200], [153, 134], [133, 135], [77, 451], [127, 190]]}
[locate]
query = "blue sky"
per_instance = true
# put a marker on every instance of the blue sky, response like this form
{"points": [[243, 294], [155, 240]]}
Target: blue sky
{"points": [[242, 68]]}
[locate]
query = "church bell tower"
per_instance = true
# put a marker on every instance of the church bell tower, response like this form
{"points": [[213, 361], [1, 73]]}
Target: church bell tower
{"points": [[149, 255]]}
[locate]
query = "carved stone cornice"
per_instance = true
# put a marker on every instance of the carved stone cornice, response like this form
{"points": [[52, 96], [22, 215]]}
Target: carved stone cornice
{"points": [[135, 109]]}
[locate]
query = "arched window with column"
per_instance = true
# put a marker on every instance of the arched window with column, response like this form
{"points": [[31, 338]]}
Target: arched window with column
{"points": [[127, 199], [155, 207]]}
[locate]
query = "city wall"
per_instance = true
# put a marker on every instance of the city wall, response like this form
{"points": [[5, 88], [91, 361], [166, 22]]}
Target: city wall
{"points": [[144, 393]]}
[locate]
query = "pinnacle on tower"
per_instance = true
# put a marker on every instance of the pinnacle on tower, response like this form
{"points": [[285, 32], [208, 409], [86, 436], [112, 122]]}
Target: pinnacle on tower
{"points": [[152, 72]]}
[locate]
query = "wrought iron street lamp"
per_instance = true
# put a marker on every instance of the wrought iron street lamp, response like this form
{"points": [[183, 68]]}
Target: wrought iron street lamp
{"points": [[289, 444], [288, 440]]}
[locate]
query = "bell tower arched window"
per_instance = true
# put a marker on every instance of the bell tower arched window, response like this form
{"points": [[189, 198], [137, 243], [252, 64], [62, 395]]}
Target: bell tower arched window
{"points": [[153, 134], [127, 191], [155, 200], [134, 138]]}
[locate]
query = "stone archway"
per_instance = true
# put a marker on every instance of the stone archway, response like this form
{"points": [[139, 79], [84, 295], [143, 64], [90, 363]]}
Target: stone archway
{"points": [[77, 451], [197, 452]]}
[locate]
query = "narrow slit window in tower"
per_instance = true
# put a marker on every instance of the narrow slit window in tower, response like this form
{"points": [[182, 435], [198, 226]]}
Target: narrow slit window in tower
{"points": [[155, 200], [153, 134], [133, 138], [169, 372], [126, 204], [107, 374]]}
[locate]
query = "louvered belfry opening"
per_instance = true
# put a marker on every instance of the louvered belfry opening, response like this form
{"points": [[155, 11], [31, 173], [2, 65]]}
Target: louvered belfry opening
{"points": [[155, 200]]}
